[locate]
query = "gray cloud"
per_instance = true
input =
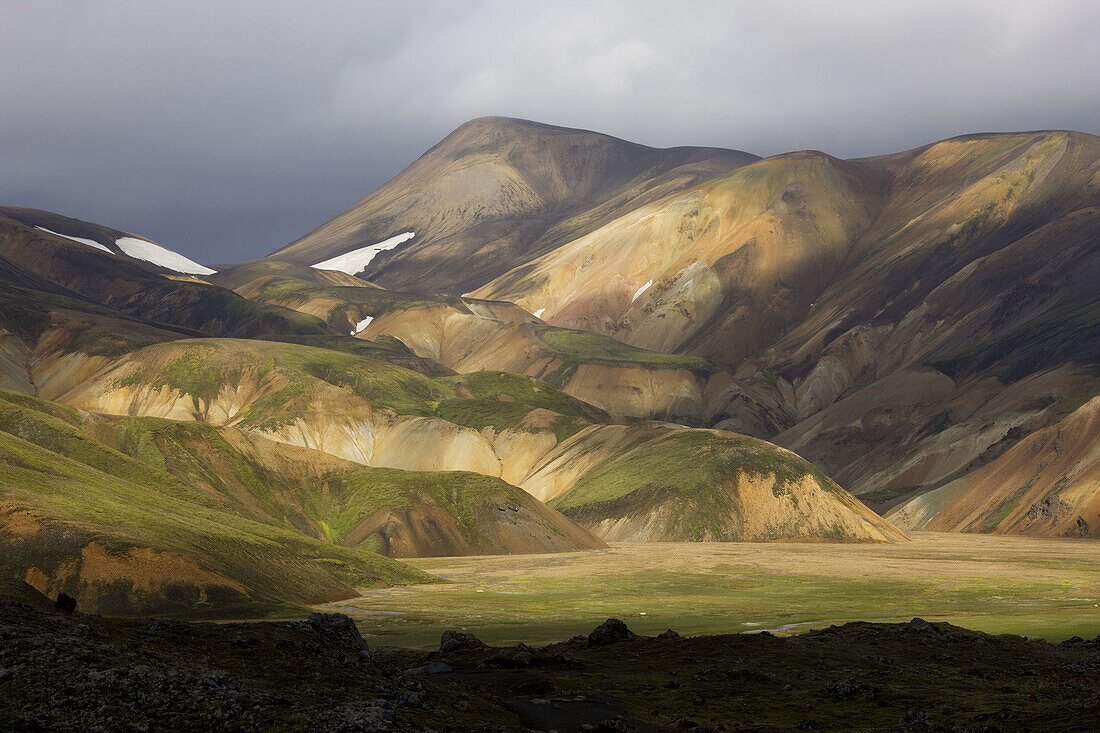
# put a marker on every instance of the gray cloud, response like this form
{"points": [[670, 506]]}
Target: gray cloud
{"points": [[226, 130]]}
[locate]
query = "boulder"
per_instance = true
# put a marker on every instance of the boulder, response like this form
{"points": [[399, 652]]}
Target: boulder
{"points": [[610, 631], [453, 641]]}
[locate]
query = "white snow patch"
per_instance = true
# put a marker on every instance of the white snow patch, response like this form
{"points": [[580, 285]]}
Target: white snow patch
{"points": [[641, 290], [139, 249], [362, 324], [539, 312], [357, 260], [81, 240]]}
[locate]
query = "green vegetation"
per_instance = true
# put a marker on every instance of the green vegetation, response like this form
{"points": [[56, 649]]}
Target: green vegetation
{"points": [[1006, 507], [286, 290], [482, 413], [203, 368], [479, 400], [588, 347], [689, 476], [1036, 587], [565, 428], [705, 461], [1072, 400], [502, 400], [384, 347], [493, 385], [887, 494], [82, 493], [354, 496], [190, 372]]}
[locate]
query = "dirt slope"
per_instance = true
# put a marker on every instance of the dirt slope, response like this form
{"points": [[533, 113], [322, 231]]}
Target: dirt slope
{"points": [[1048, 484]]}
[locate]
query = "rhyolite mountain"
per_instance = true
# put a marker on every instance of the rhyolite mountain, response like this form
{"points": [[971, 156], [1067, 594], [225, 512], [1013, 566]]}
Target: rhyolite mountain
{"points": [[498, 192], [901, 320]]}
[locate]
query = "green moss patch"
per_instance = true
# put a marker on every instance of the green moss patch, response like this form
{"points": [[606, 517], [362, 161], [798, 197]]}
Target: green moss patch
{"points": [[585, 346]]}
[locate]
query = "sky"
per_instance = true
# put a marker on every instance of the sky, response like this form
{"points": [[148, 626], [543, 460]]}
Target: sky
{"points": [[225, 130]]}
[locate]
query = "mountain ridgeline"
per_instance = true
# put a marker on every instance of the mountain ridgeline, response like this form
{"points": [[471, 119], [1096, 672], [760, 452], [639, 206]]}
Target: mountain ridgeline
{"points": [[901, 321], [537, 339]]}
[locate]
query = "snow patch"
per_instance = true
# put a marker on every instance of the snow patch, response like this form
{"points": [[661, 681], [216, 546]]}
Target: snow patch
{"points": [[539, 312], [641, 290], [140, 249], [357, 260], [362, 324], [81, 240]]}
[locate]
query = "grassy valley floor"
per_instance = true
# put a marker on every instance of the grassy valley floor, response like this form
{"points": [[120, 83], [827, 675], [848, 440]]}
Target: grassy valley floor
{"points": [[1040, 588]]}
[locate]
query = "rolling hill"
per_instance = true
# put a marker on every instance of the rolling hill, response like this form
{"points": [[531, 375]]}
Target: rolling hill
{"points": [[498, 424]]}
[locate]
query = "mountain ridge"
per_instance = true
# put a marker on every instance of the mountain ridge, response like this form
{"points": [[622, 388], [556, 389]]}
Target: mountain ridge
{"points": [[808, 279]]}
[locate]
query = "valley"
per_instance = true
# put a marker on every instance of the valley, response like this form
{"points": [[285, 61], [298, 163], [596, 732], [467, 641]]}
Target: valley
{"points": [[1039, 588]]}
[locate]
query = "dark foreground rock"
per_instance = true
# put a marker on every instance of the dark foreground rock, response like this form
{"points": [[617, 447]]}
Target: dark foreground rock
{"points": [[62, 672], [453, 641], [611, 631]]}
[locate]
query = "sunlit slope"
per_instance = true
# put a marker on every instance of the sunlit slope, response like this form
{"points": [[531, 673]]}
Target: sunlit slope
{"points": [[122, 536], [1048, 484], [726, 487], [899, 321], [724, 269], [961, 322], [497, 192], [470, 335], [746, 253], [361, 409], [399, 513], [493, 423]]}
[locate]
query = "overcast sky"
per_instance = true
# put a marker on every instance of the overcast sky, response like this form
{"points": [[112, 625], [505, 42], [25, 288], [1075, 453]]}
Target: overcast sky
{"points": [[225, 130]]}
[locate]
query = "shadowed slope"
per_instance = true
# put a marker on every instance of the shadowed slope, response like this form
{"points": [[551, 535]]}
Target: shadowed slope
{"points": [[1048, 484], [137, 290]]}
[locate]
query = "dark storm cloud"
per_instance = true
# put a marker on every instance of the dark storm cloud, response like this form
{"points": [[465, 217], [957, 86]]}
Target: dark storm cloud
{"points": [[226, 130]]}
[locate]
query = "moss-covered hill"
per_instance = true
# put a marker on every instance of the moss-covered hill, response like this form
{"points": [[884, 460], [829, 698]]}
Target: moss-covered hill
{"points": [[724, 487], [278, 388], [124, 537], [621, 482], [398, 513], [149, 515]]}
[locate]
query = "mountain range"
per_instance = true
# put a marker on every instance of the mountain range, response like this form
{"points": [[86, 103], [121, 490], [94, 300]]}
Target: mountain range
{"points": [[538, 339]]}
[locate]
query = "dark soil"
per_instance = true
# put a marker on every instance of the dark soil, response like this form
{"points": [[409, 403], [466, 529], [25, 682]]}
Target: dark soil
{"points": [[62, 671]]}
